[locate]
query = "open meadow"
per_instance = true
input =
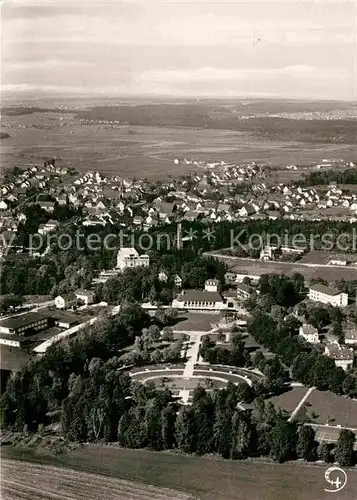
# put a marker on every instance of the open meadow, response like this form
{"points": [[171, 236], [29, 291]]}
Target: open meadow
{"points": [[203, 478], [149, 151]]}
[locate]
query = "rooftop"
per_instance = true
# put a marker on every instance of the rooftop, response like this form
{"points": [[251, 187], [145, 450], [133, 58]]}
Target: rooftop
{"points": [[337, 351], [244, 287], [308, 329], [199, 296], [22, 320], [128, 252], [328, 290], [82, 291]]}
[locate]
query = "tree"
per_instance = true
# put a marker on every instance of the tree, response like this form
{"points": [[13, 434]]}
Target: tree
{"points": [[324, 453], [153, 333], [306, 447], [319, 317], [283, 440], [258, 360], [241, 436], [168, 421], [349, 386], [344, 450], [222, 429], [278, 313], [185, 430], [338, 331], [167, 334]]}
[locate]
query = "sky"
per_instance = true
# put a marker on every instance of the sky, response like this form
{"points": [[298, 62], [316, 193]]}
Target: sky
{"points": [[221, 48]]}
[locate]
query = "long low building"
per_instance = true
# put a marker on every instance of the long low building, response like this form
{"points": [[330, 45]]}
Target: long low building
{"points": [[208, 299], [22, 324]]}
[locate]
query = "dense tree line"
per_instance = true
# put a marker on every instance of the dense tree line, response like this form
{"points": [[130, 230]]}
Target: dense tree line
{"points": [[20, 274], [307, 365], [317, 178], [215, 354], [143, 284]]}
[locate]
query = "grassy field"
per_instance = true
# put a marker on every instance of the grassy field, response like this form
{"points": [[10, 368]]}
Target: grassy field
{"points": [[321, 407], [198, 322], [204, 478], [331, 408], [149, 151], [259, 267], [289, 400]]}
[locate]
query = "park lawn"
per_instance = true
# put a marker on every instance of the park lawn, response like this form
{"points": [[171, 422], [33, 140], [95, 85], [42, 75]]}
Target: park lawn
{"points": [[324, 407], [204, 478], [289, 400]]}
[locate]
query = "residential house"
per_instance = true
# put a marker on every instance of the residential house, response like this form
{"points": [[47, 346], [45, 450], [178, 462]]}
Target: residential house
{"points": [[138, 220], [47, 227], [86, 297], [309, 333], [121, 206], [342, 355], [246, 210], [49, 206], [163, 276], [224, 208], [350, 334], [65, 301], [244, 291], [328, 295], [3, 205], [178, 281], [61, 199], [190, 215]]}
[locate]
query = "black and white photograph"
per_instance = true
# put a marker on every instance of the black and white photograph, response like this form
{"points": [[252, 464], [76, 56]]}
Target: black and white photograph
{"points": [[178, 250]]}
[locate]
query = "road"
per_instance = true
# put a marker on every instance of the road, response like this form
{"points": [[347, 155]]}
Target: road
{"points": [[30, 307], [303, 399]]}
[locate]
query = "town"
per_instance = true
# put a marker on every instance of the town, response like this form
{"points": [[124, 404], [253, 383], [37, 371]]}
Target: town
{"points": [[198, 314]]}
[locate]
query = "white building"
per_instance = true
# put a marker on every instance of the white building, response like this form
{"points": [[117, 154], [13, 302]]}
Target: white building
{"points": [[342, 355], [208, 299], [328, 295], [350, 335], [212, 285], [65, 301], [129, 258], [178, 281], [244, 291], [309, 333], [85, 296]]}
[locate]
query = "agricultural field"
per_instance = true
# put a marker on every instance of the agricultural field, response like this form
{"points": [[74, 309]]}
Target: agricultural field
{"points": [[203, 478], [149, 151], [21, 480]]}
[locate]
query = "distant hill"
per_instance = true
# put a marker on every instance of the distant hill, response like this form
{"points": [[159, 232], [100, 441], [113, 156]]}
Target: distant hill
{"points": [[24, 110]]}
